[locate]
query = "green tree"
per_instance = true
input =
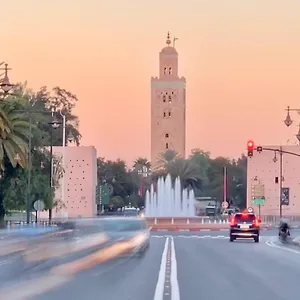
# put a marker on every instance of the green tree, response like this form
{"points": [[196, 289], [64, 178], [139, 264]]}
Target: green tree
{"points": [[239, 182], [165, 159], [116, 202], [14, 184], [201, 159], [116, 173], [44, 101], [140, 162], [188, 172], [14, 134]]}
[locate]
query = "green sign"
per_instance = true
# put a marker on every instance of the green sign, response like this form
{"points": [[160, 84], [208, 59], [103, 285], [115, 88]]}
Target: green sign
{"points": [[102, 194], [258, 201]]}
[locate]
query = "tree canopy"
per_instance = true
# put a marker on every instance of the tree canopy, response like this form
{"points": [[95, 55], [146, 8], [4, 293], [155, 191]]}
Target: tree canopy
{"points": [[26, 113], [199, 171]]}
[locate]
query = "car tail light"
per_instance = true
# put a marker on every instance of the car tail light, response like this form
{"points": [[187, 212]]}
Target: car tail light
{"points": [[233, 221], [256, 222]]}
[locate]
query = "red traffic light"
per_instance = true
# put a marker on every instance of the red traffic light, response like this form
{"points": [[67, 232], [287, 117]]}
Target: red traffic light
{"points": [[250, 145]]}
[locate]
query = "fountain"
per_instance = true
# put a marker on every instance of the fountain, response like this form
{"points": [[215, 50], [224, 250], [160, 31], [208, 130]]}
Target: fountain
{"points": [[169, 201]]}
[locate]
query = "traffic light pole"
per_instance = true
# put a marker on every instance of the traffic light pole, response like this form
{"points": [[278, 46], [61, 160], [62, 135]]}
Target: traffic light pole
{"points": [[281, 152], [280, 182]]}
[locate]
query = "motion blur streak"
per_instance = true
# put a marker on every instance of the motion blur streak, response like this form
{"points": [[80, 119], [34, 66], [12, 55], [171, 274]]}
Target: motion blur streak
{"points": [[103, 255], [138, 240], [12, 248], [29, 289], [43, 251]]}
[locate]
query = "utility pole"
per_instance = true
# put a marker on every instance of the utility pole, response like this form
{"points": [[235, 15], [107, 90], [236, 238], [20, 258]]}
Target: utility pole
{"points": [[280, 181]]}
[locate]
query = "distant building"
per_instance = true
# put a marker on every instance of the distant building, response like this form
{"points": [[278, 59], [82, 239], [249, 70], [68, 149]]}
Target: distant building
{"points": [[264, 168], [168, 105], [80, 183]]}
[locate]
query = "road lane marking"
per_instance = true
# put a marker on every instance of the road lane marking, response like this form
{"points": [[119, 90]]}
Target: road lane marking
{"points": [[175, 295], [167, 284], [160, 285], [273, 245]]}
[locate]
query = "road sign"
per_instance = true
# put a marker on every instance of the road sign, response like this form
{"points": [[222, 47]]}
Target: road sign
{"points": [[103, 195], [285, 196], [39, 205], [225, 204], [258, 201], [250, 210], [258, 191], [110, 189]]}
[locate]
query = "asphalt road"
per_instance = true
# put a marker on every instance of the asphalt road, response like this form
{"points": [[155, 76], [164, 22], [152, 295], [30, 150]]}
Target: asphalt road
{"points": [[186, 266]]}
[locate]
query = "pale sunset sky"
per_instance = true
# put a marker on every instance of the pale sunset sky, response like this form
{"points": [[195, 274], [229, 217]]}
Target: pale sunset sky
{"points": [[241, 59]]}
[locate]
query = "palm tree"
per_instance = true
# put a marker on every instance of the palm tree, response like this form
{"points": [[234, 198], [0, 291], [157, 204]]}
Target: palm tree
{"points": [[187, 171], [165, 159], [141, 162], [14, 133]]}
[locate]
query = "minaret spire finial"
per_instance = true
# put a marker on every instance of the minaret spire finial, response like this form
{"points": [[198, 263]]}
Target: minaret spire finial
{"points": [[168, 39]]}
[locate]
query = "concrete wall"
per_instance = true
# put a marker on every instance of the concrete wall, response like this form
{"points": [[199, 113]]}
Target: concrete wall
{"points": [[80, 182], [263, 168]]}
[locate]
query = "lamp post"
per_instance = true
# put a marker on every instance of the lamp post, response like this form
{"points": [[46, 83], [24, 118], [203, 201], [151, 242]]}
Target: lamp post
{"points": [[5, 84], [288, 120]]}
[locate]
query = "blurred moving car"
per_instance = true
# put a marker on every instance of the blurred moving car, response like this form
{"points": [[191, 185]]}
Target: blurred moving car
{"points": [[244, 225], [133, 230], [35, 251]]}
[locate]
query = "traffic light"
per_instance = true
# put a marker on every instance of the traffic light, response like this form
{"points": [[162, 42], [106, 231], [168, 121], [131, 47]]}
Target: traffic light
{"points": [[259, 149], [250, 148]]}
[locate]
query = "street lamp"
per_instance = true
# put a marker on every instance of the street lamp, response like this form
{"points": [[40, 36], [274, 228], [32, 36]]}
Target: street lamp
{"points": [[5, 84], [54, 124], [288, 120]]}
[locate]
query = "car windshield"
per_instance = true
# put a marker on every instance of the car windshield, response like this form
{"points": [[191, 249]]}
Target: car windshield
{"points": [[124, 225], [244, 217]]}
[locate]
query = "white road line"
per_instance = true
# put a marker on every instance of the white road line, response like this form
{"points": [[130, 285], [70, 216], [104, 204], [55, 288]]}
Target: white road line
{"points": [[271, 244], [159, 290], [175, 294]]}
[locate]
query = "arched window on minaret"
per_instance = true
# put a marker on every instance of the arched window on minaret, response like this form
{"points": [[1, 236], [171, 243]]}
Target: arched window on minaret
{"points": [[167, 145], [164, 114], [170, 99], [164, 98], [169, 113], [170, 71], [165, 71], [166, 135]]}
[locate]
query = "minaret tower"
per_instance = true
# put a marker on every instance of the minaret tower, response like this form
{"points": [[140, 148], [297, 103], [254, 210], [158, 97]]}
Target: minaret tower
{"points": [[168, 105]]}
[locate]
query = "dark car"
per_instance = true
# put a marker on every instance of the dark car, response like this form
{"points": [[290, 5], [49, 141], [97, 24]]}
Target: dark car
{"points": [[244, 226]]}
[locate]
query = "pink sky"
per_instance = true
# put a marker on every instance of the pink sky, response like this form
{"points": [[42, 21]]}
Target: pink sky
{"points": [[241, 60]]}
